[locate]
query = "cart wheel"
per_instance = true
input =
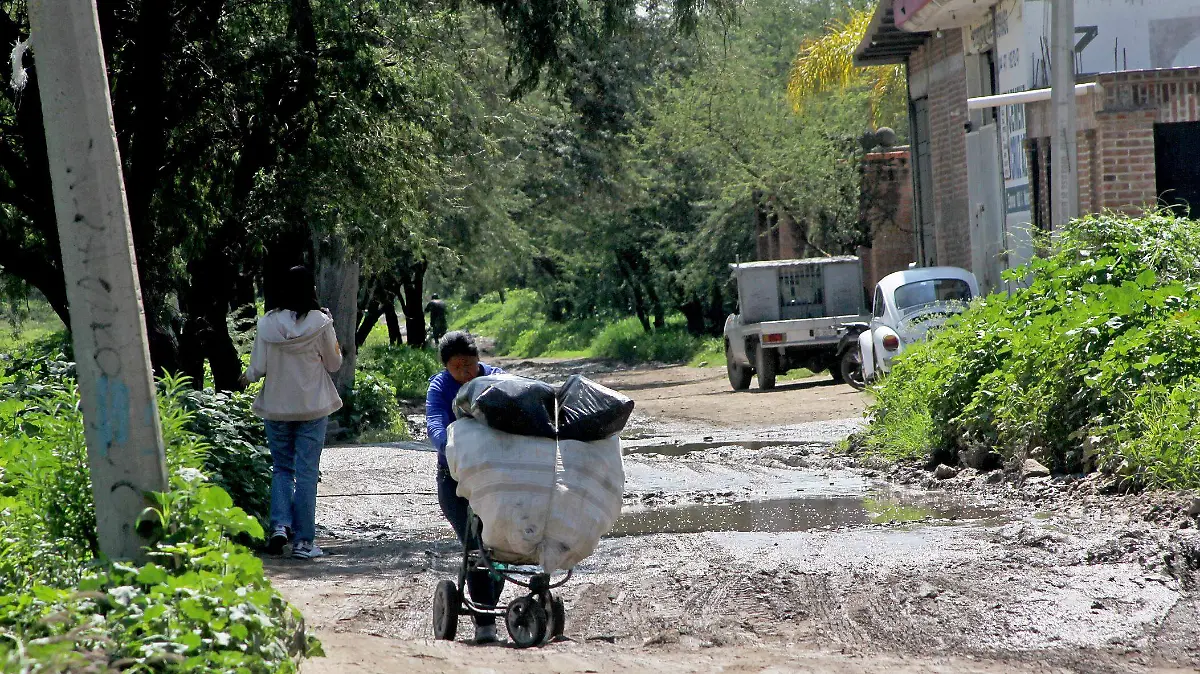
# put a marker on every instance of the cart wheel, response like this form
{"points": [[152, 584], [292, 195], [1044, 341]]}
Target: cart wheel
{"points": [[553, 605], [526, 621], [558, 617], [446, 603]]}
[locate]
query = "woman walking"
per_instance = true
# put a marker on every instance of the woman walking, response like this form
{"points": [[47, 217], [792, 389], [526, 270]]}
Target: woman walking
{"points": [[295, 348]]}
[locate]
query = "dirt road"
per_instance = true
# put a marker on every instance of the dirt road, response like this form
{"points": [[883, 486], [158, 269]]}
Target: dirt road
{"points": [[748, 545]]}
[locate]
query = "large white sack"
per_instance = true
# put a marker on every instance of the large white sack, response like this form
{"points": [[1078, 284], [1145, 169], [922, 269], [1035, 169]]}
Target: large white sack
{"points": [[586, 501], [509, 480], [535, 508]]}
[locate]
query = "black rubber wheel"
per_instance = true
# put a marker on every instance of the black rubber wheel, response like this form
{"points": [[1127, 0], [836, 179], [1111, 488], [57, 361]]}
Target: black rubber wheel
{"points": [[558, 617], [526, 621], [739, 375], [766, 362], [446, 603], [851, 368]]}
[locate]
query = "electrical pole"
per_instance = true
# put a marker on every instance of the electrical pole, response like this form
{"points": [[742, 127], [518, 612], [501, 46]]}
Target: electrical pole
{"points": [[116, 388], [1064, 171]]}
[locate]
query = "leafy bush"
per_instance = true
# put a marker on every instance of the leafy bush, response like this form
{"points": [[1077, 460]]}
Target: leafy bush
{"points": [[371, 406], [202, 604], [237, 459], [521, 328], [1078, 367], [407, 369], [627, 341]]}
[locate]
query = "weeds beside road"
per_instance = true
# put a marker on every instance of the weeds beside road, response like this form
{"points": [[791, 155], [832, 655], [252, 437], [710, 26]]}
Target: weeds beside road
{"points": [[1093, 361]]}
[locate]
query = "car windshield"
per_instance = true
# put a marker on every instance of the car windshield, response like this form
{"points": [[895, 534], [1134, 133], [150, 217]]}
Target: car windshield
{"points": [[912, 296]]}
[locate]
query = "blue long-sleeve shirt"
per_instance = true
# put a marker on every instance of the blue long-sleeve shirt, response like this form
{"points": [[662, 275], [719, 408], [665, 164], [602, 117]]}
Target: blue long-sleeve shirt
{"points": [[439, 406]]}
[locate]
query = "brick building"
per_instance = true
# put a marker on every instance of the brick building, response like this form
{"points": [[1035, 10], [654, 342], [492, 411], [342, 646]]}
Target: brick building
{"points": [[1138, 137], [978, 77], [886, 206]]}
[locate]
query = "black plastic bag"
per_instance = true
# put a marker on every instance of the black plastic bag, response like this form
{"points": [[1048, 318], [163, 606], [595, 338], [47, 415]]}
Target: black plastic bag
{"points": [[509, 403], [588, 411]]}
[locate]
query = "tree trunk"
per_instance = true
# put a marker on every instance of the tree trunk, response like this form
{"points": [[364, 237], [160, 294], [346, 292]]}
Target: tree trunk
{"points": [[413, 305], [393, 322], [639, 304], [660, 315], [369, 321], [337, 288], [693, 311]]}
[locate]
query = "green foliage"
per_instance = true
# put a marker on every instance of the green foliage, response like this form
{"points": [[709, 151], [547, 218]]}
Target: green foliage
{"points": [[202, 602], [627, 341], [1091, 361], [371, 407], [407, 369], [710, 354], [521, 328], [236, 457]]}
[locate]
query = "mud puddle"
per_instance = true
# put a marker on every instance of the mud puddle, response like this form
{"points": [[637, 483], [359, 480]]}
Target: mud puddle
{"points": [[686, 448], [793, 514]]}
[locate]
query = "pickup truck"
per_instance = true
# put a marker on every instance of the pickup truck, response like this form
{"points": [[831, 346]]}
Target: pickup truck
{"points": [[792, 314]]}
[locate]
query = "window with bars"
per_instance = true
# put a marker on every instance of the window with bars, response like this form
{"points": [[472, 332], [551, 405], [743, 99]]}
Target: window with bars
{"points": [[801, 292]]}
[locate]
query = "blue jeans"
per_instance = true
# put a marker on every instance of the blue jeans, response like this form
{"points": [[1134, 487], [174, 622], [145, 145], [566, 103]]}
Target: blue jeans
{"points": [[296, 459]]}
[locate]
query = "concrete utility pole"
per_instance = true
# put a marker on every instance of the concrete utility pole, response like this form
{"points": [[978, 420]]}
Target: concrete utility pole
{"points": [[124, 439], [1064, 172]]}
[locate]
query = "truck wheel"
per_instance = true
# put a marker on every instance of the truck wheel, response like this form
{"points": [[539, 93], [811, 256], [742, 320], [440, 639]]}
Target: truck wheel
{"points": [[766, 362], [739, 375], [851, 368]]}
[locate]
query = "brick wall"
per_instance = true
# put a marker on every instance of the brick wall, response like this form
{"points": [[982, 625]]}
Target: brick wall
{"points": [[1116, 134], [886, 207], [938, 71]]}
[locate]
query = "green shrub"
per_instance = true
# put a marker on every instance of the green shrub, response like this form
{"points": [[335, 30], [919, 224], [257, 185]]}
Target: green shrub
{"points": [[202, 602], [407, 369], [626, 341], [371, 408], [710, 353], [1067, 367], [237, 459]]}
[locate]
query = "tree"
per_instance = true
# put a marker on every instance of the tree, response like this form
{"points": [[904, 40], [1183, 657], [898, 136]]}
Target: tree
{"points": [[826, 63]]}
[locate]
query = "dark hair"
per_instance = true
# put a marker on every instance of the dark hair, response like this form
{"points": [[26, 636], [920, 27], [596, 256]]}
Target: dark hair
{"points": [[457, 343], [295, 290]]}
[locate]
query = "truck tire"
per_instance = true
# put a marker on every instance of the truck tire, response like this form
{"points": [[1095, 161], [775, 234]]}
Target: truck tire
{"points": [[739, 375], [766, 362], [851, 368]]}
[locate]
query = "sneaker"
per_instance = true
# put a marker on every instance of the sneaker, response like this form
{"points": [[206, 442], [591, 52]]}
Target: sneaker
{"points": [[485, 634], [306, 550], [278, 539]]}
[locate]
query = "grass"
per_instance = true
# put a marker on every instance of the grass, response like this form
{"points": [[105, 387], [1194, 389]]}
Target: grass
{"points": [[37, 321], [521, 329]]}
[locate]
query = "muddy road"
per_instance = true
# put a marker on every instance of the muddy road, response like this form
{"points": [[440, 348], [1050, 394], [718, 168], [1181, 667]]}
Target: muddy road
{"points": [[748, 544]]}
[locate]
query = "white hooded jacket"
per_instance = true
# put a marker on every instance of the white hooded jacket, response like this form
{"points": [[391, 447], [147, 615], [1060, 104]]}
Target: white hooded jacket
{"points": [[296, 357]]}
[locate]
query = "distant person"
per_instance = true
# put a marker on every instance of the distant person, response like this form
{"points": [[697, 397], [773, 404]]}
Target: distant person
{"points": [[437, 318], [295, 348], [460, 355]]}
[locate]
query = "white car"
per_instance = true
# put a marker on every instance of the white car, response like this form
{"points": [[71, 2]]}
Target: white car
{"points": [[907, 304]]}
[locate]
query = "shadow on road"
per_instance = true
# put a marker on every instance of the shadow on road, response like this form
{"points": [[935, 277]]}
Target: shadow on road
{"points": [[370, 558]]}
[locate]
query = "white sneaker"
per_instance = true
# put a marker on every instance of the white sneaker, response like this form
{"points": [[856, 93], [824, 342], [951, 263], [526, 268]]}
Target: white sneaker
{"points": [[306, 550], [485, 634]]}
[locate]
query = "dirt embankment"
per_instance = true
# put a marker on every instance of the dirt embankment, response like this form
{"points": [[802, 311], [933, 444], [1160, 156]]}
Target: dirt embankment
{"points": [[748, 544]]}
